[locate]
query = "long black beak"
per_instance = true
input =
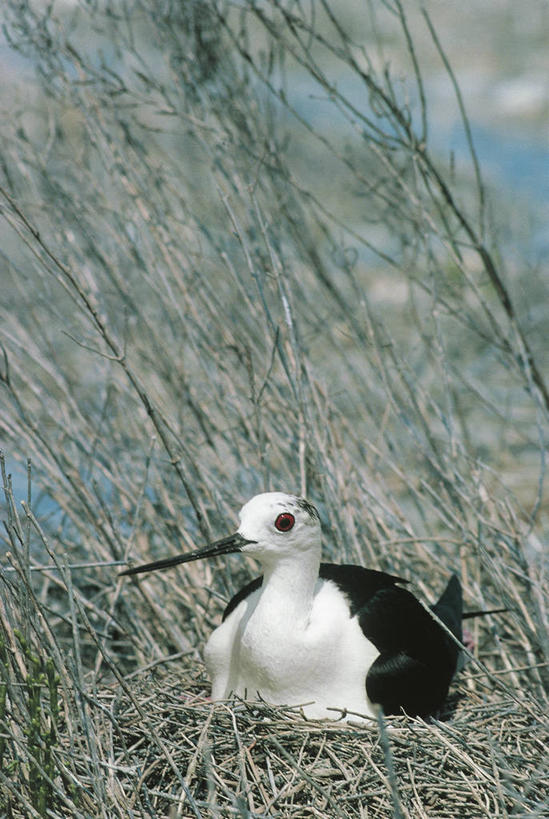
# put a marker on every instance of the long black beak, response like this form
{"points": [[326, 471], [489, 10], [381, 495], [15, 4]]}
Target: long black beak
{"points": [[225, 546]]}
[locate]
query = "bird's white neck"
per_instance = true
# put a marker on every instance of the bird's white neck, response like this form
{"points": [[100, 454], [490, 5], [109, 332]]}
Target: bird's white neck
{"points": [[288, 585]]}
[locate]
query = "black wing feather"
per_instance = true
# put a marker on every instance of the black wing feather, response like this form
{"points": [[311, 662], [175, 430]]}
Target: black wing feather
{"points": [[417, 657]]}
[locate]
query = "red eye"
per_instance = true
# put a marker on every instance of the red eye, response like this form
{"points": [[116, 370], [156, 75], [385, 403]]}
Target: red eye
{"points": [[284, 522]]}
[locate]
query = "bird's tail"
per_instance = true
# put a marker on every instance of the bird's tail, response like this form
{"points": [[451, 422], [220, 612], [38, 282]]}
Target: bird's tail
{"points": [[481, 613], [449, 607]]}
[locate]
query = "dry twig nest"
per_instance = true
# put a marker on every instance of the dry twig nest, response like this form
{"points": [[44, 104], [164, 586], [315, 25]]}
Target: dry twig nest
{"points": [[174, 754]]}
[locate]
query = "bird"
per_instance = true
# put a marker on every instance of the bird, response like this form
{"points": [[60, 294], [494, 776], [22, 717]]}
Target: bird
{"points": [[338, 640]]}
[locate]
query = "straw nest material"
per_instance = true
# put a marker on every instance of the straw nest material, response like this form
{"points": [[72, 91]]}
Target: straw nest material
{"points": [[172, 753]]}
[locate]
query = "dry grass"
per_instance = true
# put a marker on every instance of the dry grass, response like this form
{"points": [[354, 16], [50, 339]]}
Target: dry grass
{"points": [[192, 314]]}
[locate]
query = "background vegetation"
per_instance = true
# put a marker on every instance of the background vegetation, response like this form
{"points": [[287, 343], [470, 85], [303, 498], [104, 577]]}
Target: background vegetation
{"points": [[234, 260]]}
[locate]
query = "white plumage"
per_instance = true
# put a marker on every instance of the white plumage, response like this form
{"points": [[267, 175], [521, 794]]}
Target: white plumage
{"points": [[315, 656]]}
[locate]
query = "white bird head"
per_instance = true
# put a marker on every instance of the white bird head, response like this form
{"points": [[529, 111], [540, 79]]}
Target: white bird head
{"points": [[273, 526], [278, 525]]}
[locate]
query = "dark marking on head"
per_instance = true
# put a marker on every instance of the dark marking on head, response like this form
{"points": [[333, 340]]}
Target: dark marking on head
{"points": [[308, 507]]}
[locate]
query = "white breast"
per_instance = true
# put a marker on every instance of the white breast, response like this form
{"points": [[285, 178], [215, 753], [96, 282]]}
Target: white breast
{"points": [[322, 661]]}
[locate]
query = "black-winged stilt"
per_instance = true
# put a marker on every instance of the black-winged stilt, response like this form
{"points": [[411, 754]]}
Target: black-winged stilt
{"points": [[333, 638]]}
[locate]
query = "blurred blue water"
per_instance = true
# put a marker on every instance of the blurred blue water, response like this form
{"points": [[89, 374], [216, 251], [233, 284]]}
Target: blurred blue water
{"points": [[514, 160], [517, 158]]}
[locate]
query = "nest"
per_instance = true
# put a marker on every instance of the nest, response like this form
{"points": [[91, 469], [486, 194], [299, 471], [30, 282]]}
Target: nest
{"points": [[174, 754]]}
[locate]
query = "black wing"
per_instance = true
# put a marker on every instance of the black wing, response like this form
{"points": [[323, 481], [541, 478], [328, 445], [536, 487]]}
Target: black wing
{"points": [[417, 657]]}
